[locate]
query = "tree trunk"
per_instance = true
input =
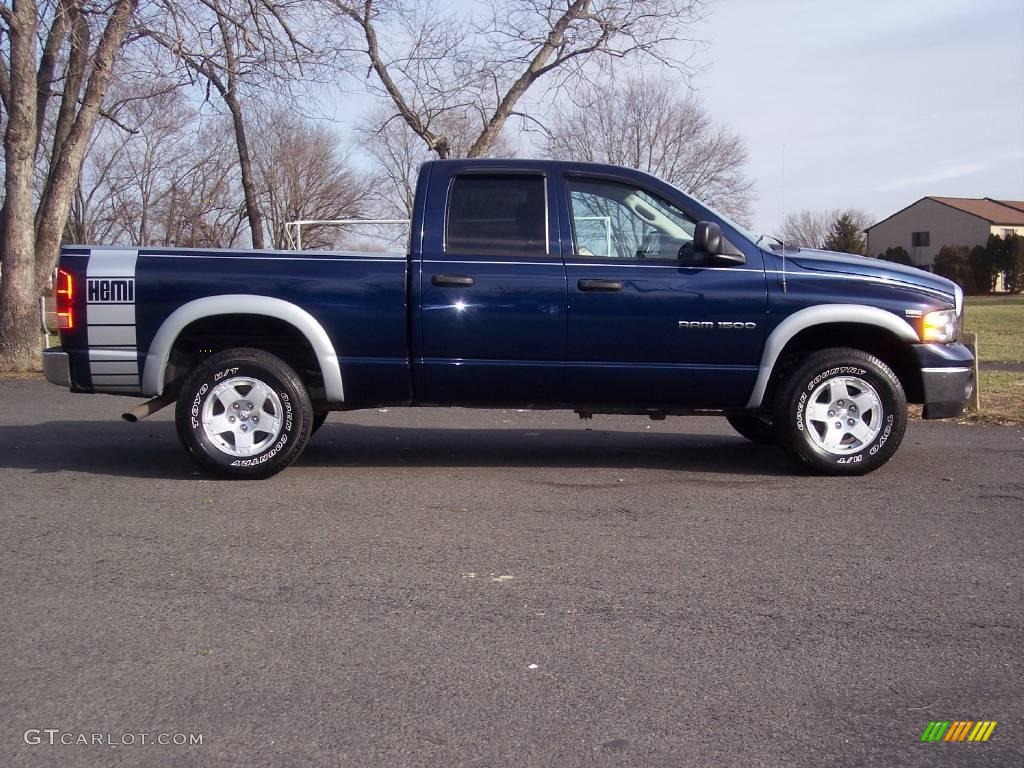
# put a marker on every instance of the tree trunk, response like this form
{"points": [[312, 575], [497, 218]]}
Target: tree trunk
{"points": [[19, 311], [67, 168], [437, 144], [48, 62], [538, 65], [252, 209], [78, 63], [230, 96], [29, 249]]}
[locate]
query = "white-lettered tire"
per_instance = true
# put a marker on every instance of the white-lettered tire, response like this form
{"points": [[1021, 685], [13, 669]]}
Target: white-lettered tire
{"points": [[841, 412], [244, 414], [756, 428]]}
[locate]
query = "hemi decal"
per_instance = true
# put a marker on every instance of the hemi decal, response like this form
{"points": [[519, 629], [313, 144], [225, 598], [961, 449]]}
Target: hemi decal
{"points": [[110, 290], [110, 320]]}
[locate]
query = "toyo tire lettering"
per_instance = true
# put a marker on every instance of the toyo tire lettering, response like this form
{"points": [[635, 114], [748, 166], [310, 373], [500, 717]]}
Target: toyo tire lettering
{"points": [[840, 411], [244, 413]]}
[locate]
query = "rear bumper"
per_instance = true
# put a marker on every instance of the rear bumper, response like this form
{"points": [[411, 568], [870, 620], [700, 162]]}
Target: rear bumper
{"points": [[947, 373], [57, 366]]}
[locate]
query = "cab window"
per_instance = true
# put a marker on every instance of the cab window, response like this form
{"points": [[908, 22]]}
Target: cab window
{"points": [[497, 215], [612, 220]]}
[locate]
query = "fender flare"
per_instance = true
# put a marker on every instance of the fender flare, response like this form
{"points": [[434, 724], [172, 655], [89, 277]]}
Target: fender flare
{"points": [[822, 314], [242, 304]]}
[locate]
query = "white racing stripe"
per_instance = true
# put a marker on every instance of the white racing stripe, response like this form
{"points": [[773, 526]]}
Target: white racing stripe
{"points": [[110, 366], [110, 320], [111, 335], [112, 314]]}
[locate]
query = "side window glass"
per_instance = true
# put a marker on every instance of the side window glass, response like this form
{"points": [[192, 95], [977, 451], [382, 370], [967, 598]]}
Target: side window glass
{"points": [[497, 215], [620, 221]]}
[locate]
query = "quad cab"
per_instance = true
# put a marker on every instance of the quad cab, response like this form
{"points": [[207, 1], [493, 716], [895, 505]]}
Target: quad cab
{"points": [[527, 284]]}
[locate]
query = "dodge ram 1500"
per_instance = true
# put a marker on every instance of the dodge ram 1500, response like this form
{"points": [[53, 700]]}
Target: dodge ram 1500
{"points": [[528, 284]]}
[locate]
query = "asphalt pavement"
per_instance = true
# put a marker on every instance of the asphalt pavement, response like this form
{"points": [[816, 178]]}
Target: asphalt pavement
{"points": [[503, 588]]}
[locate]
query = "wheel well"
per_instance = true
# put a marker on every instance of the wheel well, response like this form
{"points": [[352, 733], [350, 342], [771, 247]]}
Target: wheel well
{"points": [[206, 336], [883, 344]]}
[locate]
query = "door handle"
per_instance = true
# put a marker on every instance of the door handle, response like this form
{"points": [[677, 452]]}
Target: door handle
{"points": [[600, 285], [449, 281]]}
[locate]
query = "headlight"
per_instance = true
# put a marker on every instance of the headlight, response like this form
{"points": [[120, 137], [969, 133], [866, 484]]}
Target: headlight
{"points": [[943, 325]]}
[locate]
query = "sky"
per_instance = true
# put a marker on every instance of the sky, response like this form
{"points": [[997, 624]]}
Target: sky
{"points": [[870, 104]]}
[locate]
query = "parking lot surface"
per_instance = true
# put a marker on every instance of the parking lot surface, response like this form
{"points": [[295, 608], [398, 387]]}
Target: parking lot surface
{"points": [[503, 588]]}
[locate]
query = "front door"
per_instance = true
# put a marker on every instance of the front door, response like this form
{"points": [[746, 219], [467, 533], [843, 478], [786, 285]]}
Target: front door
{"points": [[491, 291], [651, 324]]}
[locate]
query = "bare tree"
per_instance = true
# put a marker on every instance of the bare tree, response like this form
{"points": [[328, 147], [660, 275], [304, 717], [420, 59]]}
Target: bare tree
{"points": [[204, 206], [93, 217], [301, 173], [433, 64], [143, 161], [80, 44], [236, 47], [649, 125], [810, 229], [806, 229], [160, 176], [398, 153]]}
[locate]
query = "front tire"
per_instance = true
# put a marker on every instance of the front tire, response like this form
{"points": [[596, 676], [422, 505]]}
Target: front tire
{"points": [[243, 414], [841, 412]]}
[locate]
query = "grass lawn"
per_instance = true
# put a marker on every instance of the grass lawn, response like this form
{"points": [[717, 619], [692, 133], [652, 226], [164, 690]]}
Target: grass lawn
{"points": [[1002, 398], [999, 323]]}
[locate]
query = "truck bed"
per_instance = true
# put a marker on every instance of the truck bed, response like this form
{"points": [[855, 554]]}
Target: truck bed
{"points": [[358, 298]]}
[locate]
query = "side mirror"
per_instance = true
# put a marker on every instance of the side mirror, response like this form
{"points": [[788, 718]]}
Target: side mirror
{"points": [[708, 241], [707, 238]]}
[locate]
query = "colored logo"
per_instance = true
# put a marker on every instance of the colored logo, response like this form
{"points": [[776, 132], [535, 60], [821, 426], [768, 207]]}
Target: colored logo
{"points": [[958, 730]]}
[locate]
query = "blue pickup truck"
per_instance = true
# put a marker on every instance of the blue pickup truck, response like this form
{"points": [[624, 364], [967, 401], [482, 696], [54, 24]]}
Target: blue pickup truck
{"points": [[527, 284]]}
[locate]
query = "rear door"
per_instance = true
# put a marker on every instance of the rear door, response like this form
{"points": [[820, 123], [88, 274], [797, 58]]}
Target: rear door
{"points": [[490, 290], [649, 323]]}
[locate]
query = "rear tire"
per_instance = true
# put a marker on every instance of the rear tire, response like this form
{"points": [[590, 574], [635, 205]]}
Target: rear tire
{"points": [[243, 414], [755, 428], [841, 412]]}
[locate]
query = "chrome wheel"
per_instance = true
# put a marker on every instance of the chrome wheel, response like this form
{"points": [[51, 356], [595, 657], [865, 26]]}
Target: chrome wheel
{"points": [[843, 415], [242, 416]]}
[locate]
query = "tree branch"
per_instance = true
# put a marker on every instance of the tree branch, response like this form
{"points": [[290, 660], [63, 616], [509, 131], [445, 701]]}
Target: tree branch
{"points": [[109, 116]]}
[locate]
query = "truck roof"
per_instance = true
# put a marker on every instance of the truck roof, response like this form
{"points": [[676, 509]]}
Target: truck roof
{"points": [[524, 163]]}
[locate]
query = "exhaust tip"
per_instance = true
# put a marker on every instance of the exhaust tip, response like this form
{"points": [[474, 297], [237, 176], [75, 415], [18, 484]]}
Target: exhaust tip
{"points": [[148, 408]]}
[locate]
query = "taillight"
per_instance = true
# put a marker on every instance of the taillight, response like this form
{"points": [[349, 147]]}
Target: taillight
{"points": [[65, 293]]}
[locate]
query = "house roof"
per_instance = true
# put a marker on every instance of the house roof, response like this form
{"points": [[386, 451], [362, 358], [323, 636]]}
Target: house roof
{"points": [[995, 212], [1018, 204]]}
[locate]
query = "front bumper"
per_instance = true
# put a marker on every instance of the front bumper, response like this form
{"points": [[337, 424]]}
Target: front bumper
{"points": [[57, 366], [947, 376]]}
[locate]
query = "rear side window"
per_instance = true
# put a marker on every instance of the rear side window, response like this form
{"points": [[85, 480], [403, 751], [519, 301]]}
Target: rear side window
{"points": [[497, 215]]}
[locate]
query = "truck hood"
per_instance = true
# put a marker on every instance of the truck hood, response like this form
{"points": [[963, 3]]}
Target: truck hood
{"points": [[846, 263]]}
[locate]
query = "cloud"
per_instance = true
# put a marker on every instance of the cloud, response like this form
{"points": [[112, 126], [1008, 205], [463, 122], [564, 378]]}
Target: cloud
{"points": [[944, 174]]}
